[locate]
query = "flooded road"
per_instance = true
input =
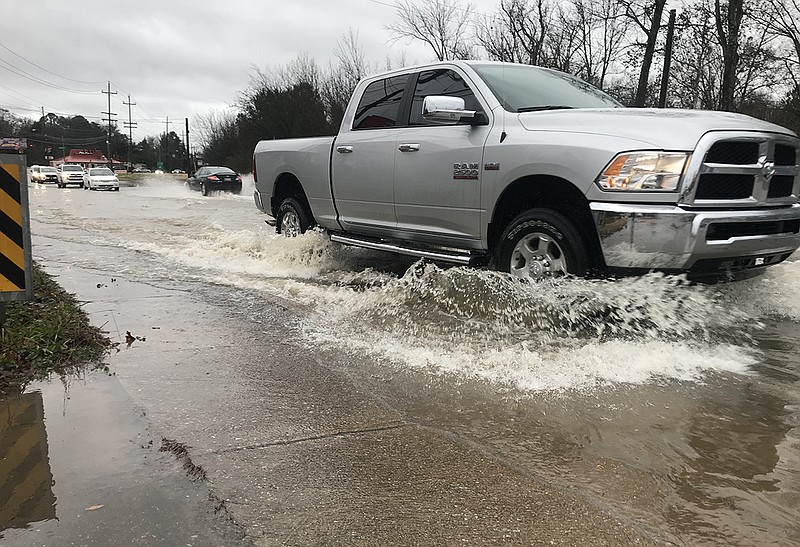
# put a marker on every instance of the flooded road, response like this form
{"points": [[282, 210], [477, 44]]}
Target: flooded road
{"points": [[670, 406]]}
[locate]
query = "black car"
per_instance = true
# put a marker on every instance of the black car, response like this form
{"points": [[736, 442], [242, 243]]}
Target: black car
{"points": [[214, 178]]}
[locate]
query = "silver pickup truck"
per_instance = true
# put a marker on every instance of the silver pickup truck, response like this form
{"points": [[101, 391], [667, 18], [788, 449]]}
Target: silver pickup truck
{"points": [[538, 173]]}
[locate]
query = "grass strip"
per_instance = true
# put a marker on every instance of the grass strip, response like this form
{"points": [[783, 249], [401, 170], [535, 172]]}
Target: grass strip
{"points": [[50, 334]]}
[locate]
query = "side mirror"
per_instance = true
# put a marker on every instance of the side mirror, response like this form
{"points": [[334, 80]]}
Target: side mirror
{"points": [[441, 108]]}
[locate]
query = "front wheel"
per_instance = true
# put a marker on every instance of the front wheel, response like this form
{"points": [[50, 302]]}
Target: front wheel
{"points": [[541, 243], [293, 219]]}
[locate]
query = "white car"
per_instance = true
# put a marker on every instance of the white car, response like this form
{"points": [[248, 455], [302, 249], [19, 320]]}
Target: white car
{"points": [[40, 174], [101, 178]]}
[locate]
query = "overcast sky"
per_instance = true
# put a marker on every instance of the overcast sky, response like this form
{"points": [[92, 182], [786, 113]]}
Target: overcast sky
{"points": [[176, 58]]}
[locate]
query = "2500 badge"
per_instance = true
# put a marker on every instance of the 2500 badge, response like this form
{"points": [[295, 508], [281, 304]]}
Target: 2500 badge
{"points": [[465, 171]]}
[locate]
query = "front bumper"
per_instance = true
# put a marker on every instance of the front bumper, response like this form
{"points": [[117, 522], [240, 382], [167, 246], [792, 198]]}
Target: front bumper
{"points": [[105, 185], [668, 237]]}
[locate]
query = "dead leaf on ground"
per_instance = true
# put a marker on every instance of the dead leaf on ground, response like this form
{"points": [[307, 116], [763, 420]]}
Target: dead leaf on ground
{"points": [[95, 507]]}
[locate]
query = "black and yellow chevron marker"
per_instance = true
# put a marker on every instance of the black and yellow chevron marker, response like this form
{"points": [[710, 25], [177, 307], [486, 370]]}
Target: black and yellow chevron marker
{"points": [[12, 242]]}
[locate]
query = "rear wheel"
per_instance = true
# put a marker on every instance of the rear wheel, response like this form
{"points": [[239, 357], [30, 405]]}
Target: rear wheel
{"points": [[203, 189], [541, 243], [293, 218]]}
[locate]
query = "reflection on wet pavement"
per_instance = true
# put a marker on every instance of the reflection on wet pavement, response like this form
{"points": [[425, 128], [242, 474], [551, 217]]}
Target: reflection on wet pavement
{"points": [[26, 494], [78, 466]]}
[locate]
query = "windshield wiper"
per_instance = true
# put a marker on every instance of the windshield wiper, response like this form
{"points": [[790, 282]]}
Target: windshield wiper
{"points": [[544, 107]]}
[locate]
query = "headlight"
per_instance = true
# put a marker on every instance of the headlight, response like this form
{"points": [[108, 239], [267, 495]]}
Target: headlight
{"points": [[644, 171]]}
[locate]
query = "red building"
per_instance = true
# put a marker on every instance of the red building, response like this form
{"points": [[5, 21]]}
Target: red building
{"points": [[87, 159]]}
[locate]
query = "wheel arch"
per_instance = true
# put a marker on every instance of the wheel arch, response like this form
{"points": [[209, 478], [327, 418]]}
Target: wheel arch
{"points": [[549, 192], [288, 185]]}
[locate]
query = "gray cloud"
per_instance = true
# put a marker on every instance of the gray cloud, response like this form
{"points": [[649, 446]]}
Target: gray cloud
{"points": [[176, 58]]}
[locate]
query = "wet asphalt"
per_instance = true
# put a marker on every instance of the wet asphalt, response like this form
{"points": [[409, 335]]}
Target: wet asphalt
{"points": [[290, 446]]}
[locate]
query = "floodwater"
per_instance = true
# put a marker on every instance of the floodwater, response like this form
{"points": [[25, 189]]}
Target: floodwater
{"points": [[674, 404]]}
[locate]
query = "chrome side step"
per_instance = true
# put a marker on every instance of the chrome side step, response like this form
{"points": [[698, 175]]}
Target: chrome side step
{"points": [[465, 258]]}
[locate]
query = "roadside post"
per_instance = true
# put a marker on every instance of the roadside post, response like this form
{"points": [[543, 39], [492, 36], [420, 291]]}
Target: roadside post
{"points": [[16, 277]]}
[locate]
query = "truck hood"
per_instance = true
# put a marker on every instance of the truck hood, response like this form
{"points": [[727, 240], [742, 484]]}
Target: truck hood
{"points": [[660, 128]]}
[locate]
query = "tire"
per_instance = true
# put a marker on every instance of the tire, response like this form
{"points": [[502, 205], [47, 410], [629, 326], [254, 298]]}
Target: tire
{"points": [[542, 243], [203, 189], [236, 192], [293, 218], [116, 189], [60, 185]]}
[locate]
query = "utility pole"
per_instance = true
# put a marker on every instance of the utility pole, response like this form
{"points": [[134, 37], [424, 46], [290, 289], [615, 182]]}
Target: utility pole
{"points": [[130, 124], [188, 160], [662, 98], [166, 145], [108, 140]]}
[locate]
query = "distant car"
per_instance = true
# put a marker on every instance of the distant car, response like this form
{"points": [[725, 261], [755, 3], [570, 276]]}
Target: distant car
{"points": [[40, 174], [69, 173], [158, 172], [178, 172], [101, 178], [214, 178], [141, 170]]}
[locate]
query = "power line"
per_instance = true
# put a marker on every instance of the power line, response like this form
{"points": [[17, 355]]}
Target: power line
{"points": [[36, 79], [48, 71], [33, 101]]}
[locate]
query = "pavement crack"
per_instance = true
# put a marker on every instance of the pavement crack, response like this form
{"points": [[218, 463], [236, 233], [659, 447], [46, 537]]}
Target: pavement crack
{"points": [[341, 433]]}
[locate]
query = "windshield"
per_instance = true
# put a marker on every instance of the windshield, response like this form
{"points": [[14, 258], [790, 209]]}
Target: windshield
{"points": [[531, 88], [72, 168], [100, 171], [49, 170]]}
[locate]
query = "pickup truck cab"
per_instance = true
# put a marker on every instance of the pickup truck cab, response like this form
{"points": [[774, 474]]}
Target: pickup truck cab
{"points": [[69, 173], [538, 173]]}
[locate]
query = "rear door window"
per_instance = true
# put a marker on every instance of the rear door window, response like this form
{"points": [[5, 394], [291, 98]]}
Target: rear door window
{"points": [[379, 107]]}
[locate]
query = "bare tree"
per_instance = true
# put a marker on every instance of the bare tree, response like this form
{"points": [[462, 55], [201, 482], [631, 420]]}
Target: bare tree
{"points": [[783, 21], [442, 24], [728, 19], [210, 126], [603, 35], [518, 32], [343, 78], [646, 15], [697, 62]]}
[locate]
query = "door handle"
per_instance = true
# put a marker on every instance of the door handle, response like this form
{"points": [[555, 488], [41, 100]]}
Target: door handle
{"points": [[408, 147], [344, 149]]}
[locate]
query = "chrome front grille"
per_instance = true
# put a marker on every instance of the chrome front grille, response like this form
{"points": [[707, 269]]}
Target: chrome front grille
{"points": [[738, 169]]}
